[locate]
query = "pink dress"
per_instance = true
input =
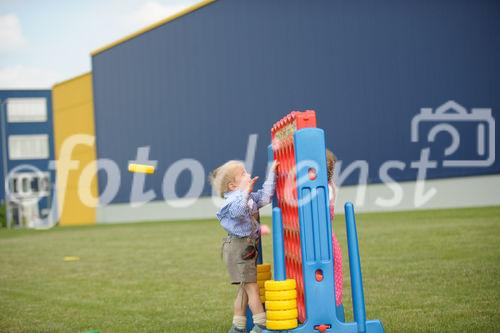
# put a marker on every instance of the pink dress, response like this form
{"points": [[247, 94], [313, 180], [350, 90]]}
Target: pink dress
{"points": [[337, 253]]}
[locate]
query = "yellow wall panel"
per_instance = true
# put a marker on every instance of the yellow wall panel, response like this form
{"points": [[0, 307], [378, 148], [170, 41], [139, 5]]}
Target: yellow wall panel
{"points": [[74, 115], [75, 214]]}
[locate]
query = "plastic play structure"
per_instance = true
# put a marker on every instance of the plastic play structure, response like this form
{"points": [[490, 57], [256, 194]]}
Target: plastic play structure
{"points": [[301, 298]]}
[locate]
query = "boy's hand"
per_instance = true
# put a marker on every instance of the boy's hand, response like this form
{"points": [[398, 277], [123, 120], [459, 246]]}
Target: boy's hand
{"points": [[251, 184], [273, 169], [274, 166]]}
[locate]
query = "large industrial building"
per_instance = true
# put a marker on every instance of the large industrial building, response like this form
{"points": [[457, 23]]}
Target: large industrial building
{"points": [[389, 81]]}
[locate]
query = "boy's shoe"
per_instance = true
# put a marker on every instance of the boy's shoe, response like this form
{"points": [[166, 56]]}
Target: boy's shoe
{"points": [[235, 329], [257, 329]]}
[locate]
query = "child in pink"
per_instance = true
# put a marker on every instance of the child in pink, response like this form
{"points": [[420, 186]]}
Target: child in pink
{"points": [[337, 253]]}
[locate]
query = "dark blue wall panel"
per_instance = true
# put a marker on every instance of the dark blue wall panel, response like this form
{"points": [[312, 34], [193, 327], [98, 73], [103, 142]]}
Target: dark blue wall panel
{"points": [[198, 86], [45, 127]]}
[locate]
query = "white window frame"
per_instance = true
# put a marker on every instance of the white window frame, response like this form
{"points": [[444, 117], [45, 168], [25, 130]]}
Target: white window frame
{"points": [[17, 154], [27, 110], [19, 191]]}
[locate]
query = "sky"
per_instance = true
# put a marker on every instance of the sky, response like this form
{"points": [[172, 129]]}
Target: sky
{"points": [[49, 41]]}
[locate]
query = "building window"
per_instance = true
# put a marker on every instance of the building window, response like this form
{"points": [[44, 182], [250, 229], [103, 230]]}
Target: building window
{"points": [[25, 184], [45, 184], [25, 187], [28, 147], [14, 186], [22, 110], [35, 188]]}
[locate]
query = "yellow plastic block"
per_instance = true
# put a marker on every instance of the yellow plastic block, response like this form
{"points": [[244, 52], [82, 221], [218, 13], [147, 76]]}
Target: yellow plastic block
{"points": [[264, 276], [288, 284], [261, 284], [281, 324], [281, 295], [141, 168], [263, 299], [263, 268], [282, 314], [281, 305]]}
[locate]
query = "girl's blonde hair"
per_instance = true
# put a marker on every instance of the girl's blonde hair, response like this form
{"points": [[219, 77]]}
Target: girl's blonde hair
{"points": [[331, 159], [223, 175]]}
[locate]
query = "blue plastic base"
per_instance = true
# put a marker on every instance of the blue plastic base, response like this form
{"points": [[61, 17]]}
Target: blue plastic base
{"points": [[372, 326]]}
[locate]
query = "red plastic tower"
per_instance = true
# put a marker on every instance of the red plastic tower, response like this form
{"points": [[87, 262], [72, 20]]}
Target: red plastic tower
{"points": [[286, 191]]}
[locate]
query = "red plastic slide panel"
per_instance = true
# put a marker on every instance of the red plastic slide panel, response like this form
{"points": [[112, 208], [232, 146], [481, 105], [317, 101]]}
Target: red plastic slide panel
{"points": [[286, 192]]}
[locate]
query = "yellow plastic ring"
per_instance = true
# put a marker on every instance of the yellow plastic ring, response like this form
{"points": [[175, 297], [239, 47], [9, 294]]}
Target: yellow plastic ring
{"points": [[281, 295], [263, 268], [264, 276], [281, 305], [288, 284], [281, 324], [282, 314]]}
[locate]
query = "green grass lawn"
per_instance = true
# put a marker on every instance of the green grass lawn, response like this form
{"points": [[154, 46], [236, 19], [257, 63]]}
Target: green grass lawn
{"points": [[431, 271]]}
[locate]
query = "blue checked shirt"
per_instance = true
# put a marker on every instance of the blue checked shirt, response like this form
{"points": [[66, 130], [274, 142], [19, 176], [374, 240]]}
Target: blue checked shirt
{"points": [[238, 215]]}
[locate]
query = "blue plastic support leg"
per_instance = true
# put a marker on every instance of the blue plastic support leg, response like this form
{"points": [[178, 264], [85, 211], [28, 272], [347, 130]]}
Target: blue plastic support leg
{"points": [[358, 298], [270, 158], [278, 246], [340, 312], [278, 238], [248, 311], [249, 319]]}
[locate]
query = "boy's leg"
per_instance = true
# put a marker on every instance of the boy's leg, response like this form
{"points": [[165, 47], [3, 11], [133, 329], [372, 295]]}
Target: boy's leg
{"points": [[252, 290], [259, 316], [241, 302], [240, 305]]}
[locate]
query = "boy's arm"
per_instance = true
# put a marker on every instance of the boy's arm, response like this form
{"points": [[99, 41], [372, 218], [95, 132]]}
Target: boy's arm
{"points": [[264, 196]]}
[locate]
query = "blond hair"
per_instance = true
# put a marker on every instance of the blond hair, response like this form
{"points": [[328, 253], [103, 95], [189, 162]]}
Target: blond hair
{"points": [[331, 159], [223, 175]]}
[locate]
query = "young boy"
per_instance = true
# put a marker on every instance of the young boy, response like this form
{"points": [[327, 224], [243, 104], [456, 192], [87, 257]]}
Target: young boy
{"points": [[239, 217]]}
